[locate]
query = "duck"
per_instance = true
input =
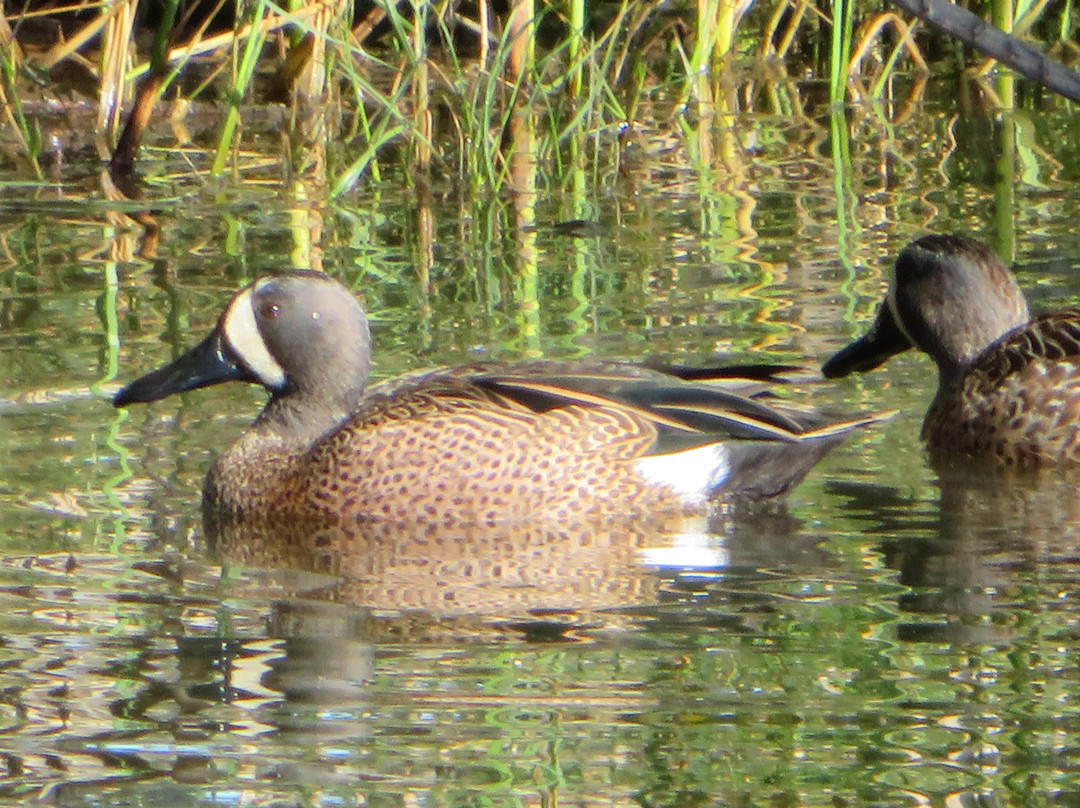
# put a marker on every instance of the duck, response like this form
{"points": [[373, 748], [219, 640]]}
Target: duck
{"points": [[1008, 387], [488, 442]]}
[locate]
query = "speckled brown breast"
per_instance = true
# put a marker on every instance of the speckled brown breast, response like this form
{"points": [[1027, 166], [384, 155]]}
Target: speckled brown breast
{"points": [[1028, 416]]}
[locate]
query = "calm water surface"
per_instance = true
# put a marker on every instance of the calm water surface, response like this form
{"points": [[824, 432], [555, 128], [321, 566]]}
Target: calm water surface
{"points": [[897, 634]]}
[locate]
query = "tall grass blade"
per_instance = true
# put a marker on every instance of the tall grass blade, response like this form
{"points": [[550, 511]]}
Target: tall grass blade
{"points": [[242, 77], [840, 54], [576, 47], [351, 176]]}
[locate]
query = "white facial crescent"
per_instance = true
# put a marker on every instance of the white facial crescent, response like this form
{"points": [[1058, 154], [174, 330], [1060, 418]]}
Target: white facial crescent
{"points": [[240, 330]]}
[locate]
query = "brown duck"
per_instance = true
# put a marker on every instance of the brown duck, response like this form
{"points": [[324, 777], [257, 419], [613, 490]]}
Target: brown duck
{"points": [[482, 443], [1008, 384]]}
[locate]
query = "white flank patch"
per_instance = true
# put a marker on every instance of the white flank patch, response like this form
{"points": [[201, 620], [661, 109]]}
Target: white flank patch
{"points": [[693, 474], [242, 333]]}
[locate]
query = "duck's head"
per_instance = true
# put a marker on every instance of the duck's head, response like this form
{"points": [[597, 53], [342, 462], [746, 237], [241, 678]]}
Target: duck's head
{"points": [[301, 335], [949, 296]]}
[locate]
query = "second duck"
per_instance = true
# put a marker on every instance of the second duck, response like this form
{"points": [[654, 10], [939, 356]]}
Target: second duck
{"points": [[1008, 384]]}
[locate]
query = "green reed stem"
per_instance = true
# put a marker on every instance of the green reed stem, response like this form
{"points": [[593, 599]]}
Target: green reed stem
{"points": [[1002, 13], [887, 73], [700, 57], [382, 135], [159, 53], [725, 33], [421, 95], [840, 56], [242, 77], [576, 46]]}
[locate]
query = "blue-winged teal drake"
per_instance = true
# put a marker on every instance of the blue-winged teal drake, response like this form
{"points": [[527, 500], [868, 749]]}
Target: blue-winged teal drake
{"points": [[1008, 384], [487, 442]]}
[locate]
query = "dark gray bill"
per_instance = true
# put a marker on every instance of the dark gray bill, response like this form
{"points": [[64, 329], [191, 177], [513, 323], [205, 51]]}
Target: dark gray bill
{"points": [[884, 339], [202, 366]]}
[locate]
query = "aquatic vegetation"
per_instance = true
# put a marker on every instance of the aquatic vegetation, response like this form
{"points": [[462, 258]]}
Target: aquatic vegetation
{"points": [[450, 82]]}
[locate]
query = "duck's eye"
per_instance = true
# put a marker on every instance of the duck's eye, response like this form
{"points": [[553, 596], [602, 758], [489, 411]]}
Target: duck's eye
{"points": [[269, 310]]}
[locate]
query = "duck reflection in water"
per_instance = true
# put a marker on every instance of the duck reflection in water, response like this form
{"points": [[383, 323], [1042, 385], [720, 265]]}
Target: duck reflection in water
{"points": [[978, 557]]}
